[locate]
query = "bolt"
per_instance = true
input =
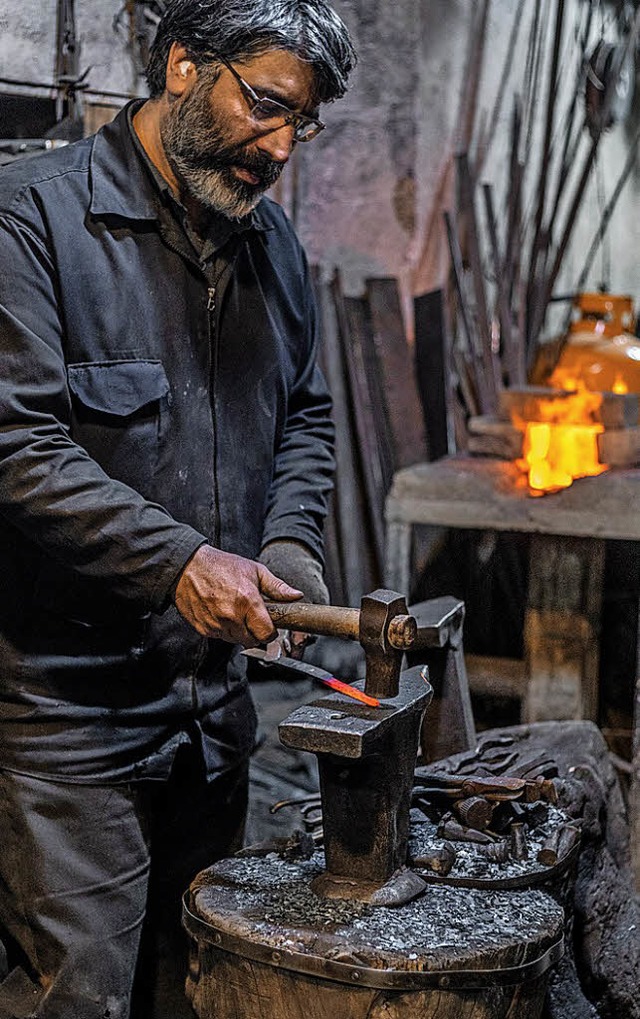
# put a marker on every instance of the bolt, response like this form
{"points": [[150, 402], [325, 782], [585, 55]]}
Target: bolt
{"points": [[518, 847], [403, 631]]}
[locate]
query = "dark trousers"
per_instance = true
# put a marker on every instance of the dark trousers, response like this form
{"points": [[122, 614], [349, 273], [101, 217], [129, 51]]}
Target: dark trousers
{"points": [[91, 879]]}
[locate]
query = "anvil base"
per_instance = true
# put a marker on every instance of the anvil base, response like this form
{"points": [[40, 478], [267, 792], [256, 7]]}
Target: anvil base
{"points": [[366, 761]]}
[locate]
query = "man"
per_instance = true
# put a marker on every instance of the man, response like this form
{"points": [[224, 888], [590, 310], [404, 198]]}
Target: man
{"points": [[163, 425]]}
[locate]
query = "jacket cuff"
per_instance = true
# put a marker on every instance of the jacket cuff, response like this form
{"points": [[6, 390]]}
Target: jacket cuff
{"points": [[183, 549]]}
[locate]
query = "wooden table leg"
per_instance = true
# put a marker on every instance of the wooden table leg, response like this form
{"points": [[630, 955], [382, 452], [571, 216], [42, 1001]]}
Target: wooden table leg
{"points": [[397, 574], [562, 626]]}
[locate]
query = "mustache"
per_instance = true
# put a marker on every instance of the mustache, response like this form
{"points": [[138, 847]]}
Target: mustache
{"points": [[258, 163], [264, 168]]}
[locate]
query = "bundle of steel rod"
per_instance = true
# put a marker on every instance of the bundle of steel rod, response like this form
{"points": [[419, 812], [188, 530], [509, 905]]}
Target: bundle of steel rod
{"points": [[370, 371], [506, 253]]}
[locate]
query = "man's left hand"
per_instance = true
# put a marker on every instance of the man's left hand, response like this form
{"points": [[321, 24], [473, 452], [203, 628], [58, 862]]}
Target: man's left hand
{"points": [[292, 559]]}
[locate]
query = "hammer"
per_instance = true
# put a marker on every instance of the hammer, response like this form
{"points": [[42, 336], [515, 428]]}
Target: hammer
{"points": [[382, 624]]}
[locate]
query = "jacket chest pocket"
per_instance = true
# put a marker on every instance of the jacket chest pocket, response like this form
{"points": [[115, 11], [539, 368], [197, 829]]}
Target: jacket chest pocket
{"points": [[119, 417]]}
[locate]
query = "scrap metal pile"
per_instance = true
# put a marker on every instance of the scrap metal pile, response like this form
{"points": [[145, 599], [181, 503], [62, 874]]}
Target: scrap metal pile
{"points": [[494, 816]]}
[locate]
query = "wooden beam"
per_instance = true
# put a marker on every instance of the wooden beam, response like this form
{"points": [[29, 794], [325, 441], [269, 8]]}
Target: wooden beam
{"points": [[488, 436], [531, 403], [351, 316], [348, 504], [397, 376], [490, 365], [433, 372], [562, 627], [496, 677]]}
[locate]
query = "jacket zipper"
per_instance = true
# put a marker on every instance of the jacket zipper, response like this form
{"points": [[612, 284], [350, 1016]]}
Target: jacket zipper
{"points": [[213, 314], [212, 291]]}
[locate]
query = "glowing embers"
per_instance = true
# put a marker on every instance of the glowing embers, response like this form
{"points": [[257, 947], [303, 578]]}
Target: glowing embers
{"points": [[562, 444]]}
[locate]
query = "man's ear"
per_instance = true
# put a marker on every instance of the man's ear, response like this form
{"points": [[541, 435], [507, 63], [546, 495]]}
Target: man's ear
{"points": [[181, 70]]}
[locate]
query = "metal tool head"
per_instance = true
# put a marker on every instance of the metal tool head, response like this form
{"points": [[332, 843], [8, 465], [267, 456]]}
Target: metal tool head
{"points": [[378, 612], [366, 755]]}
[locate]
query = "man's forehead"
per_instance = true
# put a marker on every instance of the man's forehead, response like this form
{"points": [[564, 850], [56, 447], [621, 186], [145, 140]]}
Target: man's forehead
{"points": [[279, 72]]}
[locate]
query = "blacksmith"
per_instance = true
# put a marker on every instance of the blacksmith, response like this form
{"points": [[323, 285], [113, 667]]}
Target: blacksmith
{"points": [[165, 462]]}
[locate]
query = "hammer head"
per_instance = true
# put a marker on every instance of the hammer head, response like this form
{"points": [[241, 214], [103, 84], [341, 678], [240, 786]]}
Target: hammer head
{"points": [[383, 661]]}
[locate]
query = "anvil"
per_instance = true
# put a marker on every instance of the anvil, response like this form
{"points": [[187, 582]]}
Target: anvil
{"points": [[366, 755]]}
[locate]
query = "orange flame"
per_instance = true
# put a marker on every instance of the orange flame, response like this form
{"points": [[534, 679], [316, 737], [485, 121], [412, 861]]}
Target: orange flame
{"points": [[619, 385], [564, 444]]}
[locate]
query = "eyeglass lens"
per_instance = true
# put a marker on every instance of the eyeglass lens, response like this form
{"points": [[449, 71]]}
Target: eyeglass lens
{"points": [[268, 109]]}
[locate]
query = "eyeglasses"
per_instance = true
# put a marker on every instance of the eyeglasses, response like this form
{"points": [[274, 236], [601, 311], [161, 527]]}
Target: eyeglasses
{"points": [[265, 110]]}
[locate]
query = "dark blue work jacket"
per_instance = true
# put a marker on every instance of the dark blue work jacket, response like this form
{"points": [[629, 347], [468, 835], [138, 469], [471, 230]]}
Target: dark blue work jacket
{"points": [[137, 421]]}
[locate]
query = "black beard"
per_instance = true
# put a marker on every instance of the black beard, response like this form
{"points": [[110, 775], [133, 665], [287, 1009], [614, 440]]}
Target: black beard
{"points": [[203, 161]]}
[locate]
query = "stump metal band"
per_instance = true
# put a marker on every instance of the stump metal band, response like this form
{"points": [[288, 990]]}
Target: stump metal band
{"points": [[376, 979]]}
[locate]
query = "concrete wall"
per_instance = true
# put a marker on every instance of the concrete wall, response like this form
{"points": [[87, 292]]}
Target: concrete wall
{"points": [[28, 40], [361, 192]]}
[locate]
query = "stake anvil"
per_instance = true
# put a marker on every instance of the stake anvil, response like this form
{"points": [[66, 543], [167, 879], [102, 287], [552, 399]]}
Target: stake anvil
{"points": [[367, 755]]}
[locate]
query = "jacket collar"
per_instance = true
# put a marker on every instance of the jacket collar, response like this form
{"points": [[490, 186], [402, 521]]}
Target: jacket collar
{"points": [[120, 183]]}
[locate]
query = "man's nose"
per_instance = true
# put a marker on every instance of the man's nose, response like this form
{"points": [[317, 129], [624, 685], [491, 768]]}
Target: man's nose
{"points": [[278, 144]]}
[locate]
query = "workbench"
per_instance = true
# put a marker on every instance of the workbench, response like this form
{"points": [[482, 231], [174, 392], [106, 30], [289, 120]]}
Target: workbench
{"points": [[569, 529]]}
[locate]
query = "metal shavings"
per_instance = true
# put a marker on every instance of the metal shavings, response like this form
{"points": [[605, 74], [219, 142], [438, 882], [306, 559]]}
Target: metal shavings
{"points": [[300, 907], [456, 920], [275, 901], [281, 889]]}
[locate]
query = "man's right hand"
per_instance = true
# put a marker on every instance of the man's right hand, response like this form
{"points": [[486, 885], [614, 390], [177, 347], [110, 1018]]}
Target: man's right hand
{"points": [[221, 595]]}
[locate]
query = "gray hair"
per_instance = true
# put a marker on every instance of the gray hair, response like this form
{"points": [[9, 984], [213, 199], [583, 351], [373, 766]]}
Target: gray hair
{"points": [[241, 29]]}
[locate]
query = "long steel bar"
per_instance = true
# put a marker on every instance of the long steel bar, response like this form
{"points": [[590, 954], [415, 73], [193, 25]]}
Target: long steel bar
{"points": [[543, 172], [552, 277], [467, 203], [512, 351], [472, 77], [511, 268], [631, 163], [502, 87], [532, 81], [50, 87], [570, 133], [474, 362]]}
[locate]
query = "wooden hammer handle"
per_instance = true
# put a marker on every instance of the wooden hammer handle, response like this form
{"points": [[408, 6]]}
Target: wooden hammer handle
{"points": [[336, 621], [323, 620]]}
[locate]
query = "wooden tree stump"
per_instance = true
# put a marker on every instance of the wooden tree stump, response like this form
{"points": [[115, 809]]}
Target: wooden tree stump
{"points": [[268, 948]]}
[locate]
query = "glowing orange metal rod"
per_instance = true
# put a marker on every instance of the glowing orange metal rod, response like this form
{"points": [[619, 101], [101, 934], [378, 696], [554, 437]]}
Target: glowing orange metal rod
{"points": [[350, 691]]}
